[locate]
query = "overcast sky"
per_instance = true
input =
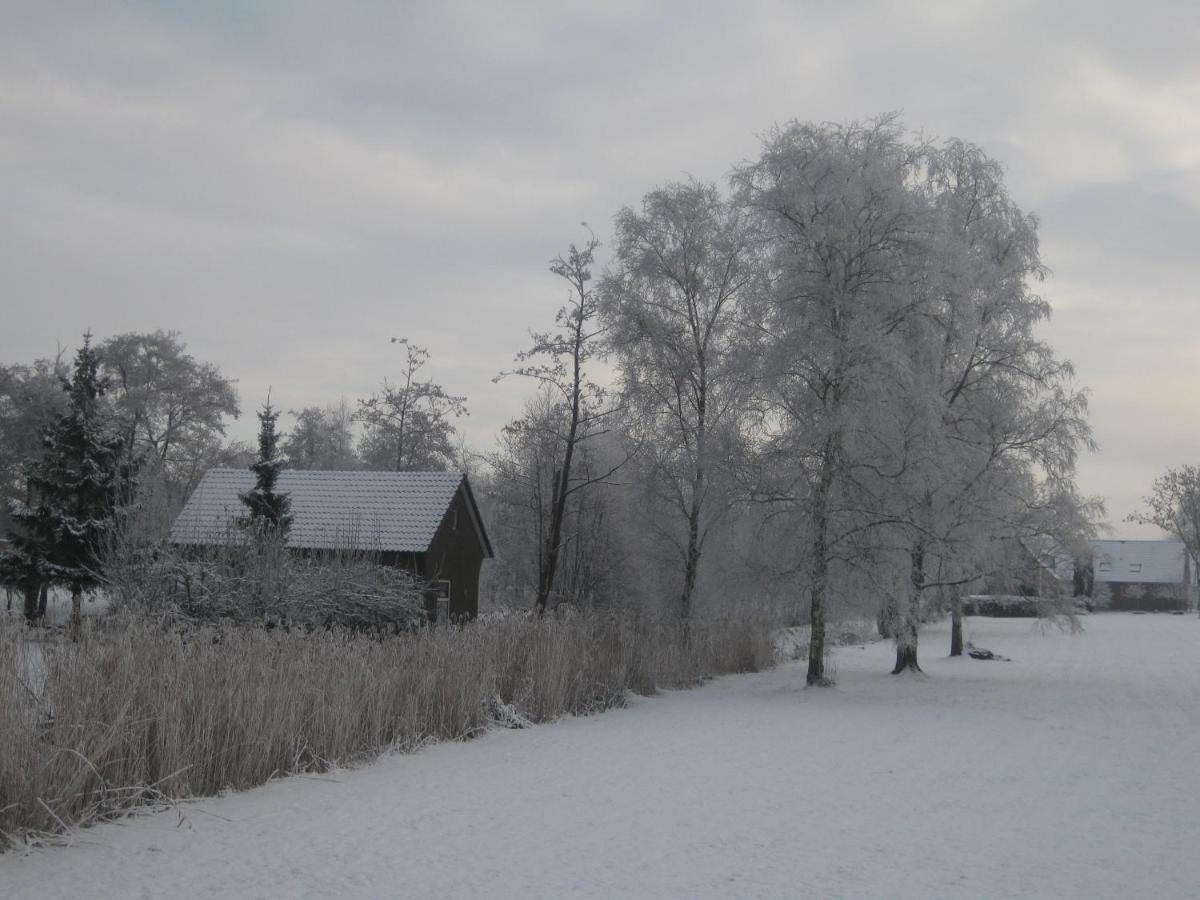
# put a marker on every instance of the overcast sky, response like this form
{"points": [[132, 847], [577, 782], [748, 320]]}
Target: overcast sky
{"points": [[291, 184]]}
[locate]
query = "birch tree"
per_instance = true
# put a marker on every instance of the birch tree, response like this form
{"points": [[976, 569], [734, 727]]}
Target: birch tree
{"points": [[833, 203], [673, 305], [1010, 421]]}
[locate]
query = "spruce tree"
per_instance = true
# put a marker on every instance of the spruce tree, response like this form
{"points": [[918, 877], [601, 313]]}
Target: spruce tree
{"points": [[267, 510], [76, 490]]}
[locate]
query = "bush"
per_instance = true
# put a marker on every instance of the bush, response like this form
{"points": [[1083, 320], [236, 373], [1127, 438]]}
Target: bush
{"points": [[138, 713], [254, 577], [1004, 606]]}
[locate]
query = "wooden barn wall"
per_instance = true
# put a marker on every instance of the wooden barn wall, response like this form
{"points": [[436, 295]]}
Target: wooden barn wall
{"points": [[456, 554]]}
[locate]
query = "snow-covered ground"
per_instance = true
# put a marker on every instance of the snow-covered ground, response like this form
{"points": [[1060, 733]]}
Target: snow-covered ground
{"points": [[1070, 771]]}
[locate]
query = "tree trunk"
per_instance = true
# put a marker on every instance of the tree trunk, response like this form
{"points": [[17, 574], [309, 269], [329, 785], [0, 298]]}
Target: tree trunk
{"points": [[43, 599], [562, 483], [76, 611], [956, 617], [886, 620], [910, 626], [558, 511], [31, 603], [699, 476], [820, 569], [692, 562]]}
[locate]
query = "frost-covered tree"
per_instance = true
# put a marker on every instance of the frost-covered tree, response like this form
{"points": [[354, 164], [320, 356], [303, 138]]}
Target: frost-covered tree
{"points": [[171, 407], [267, 510], [559, 361], [993, 422], [31, 398], [903, 387], [834, 205], [77, 489], [322, 438], [673, 304], [410, 423]]}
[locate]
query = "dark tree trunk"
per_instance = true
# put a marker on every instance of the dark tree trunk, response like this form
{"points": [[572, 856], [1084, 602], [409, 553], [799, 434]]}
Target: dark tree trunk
{"points": [[820, 569], [43, 599], [906, 658], [31, 603], [699, 477], [910, 626], [558, 500], [76, 611], [956, 617], [692, 561]]}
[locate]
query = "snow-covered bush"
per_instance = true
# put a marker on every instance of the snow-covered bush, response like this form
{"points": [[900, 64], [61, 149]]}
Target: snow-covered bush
{"points": [[254, 577]]}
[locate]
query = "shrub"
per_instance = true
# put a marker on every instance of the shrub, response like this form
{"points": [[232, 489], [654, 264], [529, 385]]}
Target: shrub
{"points": [[1003, 606], [254, 577]]}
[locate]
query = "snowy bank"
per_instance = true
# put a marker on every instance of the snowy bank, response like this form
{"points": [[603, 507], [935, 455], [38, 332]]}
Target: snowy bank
{"points": [[1067, 772]]}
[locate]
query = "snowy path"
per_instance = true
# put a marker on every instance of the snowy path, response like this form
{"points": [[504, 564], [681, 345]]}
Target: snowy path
{"points": [[1069, 772]]}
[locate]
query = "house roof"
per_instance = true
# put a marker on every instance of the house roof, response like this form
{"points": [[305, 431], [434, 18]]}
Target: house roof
{"points": [[1139, 562], [375, 511]]}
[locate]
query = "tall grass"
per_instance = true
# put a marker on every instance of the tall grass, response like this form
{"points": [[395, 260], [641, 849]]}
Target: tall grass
{"points": [[136, 713]]}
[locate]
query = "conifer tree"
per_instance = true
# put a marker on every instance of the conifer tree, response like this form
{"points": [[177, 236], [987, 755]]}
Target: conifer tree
{"points": [[267, 509], [76, 491]]}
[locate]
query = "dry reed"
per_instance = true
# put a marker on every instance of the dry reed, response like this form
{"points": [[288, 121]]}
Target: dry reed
{"points": [[136, 713]]}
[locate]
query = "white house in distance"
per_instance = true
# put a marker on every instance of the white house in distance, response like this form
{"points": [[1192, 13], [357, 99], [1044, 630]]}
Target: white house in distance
{"points": [[1144, 575]]}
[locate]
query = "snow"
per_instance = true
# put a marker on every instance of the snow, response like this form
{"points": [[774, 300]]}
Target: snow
{"points": [[1068, 772]]}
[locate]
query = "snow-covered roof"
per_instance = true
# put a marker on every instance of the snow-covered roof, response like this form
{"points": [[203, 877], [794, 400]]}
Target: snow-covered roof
{"points": [[333, 510], [1146, 562]]}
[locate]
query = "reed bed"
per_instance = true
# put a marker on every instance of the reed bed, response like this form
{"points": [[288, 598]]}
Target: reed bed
{"points": [[140, 713]]}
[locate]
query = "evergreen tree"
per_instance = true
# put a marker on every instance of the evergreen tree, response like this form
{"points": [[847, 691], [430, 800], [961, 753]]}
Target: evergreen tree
{"points": [[75, 491], [267, 509]]}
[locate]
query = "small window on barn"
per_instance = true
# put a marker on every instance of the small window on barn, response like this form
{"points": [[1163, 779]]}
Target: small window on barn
{"points": [[1135, 567], [1104, 566]]}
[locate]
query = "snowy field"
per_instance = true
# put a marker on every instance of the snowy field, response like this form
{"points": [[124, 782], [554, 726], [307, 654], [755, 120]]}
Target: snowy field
{"points": [[1070, 771]]}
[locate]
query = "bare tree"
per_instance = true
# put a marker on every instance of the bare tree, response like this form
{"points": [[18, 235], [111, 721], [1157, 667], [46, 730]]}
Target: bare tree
{"points": [[410, 423], [559, 360], [673, 305], [1174, 506], [520, 493]]}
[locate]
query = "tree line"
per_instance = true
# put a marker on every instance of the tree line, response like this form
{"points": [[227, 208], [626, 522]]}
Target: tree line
{"points": [[818, 382]]}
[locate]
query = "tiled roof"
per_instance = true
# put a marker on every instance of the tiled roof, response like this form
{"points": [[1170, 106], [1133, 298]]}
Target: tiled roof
{"points": [[1139, 562], [330, 510]]}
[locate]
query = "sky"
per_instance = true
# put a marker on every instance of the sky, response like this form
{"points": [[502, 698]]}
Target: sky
{"points": [[289, 185]]}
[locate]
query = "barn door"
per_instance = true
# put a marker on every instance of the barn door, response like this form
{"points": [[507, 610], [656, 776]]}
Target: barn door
{"points": [[441, 592]]}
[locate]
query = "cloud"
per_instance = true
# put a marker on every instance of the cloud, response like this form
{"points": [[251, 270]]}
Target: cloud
{"points": [[324, 177]]}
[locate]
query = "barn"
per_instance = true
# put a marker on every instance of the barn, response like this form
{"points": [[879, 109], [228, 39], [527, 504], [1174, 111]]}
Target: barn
{"points": [[426, 523], [1144, 575]]}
